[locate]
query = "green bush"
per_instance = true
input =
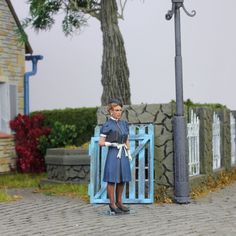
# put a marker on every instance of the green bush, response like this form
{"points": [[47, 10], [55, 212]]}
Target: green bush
{"points": [[191, 104], [60, 136], [84, 119]]}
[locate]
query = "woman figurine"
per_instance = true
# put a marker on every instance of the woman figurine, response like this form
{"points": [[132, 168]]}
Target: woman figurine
{"points": [[114, 134]]}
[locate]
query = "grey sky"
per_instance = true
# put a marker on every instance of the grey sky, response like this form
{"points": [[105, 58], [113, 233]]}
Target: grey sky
{"points": [[69, 75]]}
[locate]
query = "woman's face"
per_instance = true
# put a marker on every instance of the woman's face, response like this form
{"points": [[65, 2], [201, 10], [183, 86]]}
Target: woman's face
{"points": [[116, 112]]}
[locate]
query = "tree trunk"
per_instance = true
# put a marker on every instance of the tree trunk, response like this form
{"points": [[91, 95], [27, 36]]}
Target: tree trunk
{"points": [[115, 71]]}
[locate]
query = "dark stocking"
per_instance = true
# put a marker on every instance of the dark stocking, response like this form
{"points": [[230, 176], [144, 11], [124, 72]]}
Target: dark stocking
{"points": [[110, 191], [119, 191]]}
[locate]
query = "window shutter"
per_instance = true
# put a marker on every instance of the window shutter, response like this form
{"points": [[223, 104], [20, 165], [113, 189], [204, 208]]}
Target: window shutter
{"points": [[13, 101], [4, 108]]}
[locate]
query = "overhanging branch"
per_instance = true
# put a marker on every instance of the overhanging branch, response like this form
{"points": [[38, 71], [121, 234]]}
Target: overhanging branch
{"points": [[122, 8], [93, 8]]}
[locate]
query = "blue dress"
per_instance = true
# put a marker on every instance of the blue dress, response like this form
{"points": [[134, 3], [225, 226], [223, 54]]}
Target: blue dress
{"points": [[116, 170]]}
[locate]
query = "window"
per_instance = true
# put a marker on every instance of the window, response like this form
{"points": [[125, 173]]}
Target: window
{"points": [[8, 105]]}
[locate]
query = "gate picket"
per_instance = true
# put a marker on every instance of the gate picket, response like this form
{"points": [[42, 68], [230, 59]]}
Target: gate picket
{"points": [[141, 168], [103, 159], [140, 189], [132, 188]]}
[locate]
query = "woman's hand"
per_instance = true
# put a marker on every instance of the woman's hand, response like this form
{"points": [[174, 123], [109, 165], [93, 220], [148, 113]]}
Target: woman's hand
{"points": [[102, 141], [127, 144]]}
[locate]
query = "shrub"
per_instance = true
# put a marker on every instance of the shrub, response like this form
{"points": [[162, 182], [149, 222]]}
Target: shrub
{"points": [[191, 104], [83, 118], [28, 130], [61, 135]]}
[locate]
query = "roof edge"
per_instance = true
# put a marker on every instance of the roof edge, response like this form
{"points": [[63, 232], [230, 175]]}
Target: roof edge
{"points": [[28, 48]]}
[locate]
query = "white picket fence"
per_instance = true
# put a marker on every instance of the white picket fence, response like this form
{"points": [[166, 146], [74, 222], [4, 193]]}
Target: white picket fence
{"points": [[233, 139], [193, 144], [216, 142]]}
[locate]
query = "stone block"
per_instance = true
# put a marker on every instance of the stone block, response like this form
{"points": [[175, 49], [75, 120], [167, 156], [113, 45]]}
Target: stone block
{"points": [[168, 162], [68, 165], [61, 156], [4, 168], [132, 117], [159, 170], [159, 118], [169, 178], [168, 109], [153, 108], [139, 109], [146, 118], [168, 124], [4, 161]]}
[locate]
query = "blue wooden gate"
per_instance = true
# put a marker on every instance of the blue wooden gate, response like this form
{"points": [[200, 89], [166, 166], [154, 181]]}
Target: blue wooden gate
{"points": [[141, 187]]}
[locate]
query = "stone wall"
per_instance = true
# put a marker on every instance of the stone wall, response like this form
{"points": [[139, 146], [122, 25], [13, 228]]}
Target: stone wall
{"points": [[224, 115], [161, 116], [12, 68], [205, 115], [12, 60], [65, 165], [7, 153]]}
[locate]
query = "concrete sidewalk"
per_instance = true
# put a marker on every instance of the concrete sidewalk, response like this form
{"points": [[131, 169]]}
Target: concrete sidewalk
{"points": [[37, 214]]}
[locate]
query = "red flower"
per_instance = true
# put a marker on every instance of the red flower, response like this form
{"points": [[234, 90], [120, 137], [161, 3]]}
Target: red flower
{"points": [[28, 130]]}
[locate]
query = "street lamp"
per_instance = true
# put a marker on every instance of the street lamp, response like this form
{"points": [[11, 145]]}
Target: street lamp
{"points": [[180, 157]]}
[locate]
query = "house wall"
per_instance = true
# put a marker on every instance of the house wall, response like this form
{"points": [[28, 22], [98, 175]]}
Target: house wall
{"points": [[12, 68], [7, 153], [12, 60]]}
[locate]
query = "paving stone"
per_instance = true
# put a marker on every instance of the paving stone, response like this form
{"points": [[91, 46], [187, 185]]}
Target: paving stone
{"points": [[38, 214]]}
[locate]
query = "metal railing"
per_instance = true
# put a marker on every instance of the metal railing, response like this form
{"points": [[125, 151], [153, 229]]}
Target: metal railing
{"points": [[216, 142], [233, 139], [193, 144]]}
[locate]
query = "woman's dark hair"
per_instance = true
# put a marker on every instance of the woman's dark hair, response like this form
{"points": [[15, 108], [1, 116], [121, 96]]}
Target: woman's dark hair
{"points": [[116, 101], [113, 103]]}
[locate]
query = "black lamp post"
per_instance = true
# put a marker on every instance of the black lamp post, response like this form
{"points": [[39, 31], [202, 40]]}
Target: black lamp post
{"points": [[180, 157]]}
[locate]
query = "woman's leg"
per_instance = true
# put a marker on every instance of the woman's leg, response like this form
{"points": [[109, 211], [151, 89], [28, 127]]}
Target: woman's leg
{"points": [[110, 191], [119, 191]]}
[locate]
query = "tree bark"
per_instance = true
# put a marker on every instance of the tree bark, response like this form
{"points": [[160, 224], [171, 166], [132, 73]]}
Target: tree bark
{"points": [[115, 71]]}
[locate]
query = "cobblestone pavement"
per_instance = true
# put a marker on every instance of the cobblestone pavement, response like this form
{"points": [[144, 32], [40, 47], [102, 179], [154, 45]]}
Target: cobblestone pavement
{"points": [[38, 214]]}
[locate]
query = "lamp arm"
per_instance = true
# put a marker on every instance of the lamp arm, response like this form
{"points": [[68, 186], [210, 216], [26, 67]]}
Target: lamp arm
{"points": [[171, 12], [192, 14]]}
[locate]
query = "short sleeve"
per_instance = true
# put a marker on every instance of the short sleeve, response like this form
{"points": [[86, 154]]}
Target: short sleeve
{"points": [[105, 129]]}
